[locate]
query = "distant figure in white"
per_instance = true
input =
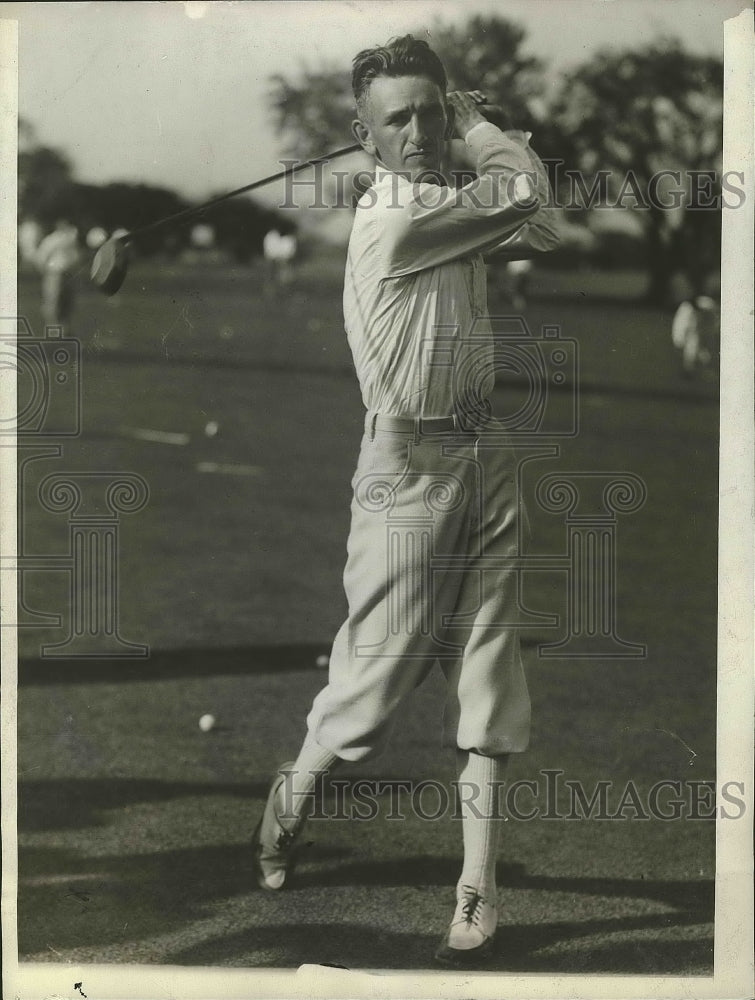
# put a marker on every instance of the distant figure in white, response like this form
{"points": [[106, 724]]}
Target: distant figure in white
{"points": [[57, 257], [695, 332], [518, 278], [279, 254]]}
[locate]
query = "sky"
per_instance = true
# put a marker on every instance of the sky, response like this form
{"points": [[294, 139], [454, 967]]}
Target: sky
{"points": [[176, 94]]}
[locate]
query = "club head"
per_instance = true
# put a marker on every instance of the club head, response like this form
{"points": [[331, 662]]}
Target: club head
{"points": [[110, 266]]}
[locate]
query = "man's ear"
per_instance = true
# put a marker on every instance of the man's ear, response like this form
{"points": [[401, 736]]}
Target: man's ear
{"points": [[451, 124], [362, 135]]}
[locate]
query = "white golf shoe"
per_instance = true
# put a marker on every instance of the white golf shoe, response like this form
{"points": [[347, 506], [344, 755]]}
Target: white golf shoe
{"points": [[274, 845], [470, 935]]}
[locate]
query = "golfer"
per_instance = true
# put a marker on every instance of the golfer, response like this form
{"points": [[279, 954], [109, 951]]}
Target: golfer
{"points": [[435, 518], [696, 333], [57, 257]]}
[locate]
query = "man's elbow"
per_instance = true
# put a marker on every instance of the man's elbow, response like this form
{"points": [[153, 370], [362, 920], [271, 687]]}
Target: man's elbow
{"points": [[549, 236], [527, 193], [522, 191], [532, 193]]}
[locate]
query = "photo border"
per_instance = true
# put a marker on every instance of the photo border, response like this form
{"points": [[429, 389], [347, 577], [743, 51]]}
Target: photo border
{"points": [[733, 976]]}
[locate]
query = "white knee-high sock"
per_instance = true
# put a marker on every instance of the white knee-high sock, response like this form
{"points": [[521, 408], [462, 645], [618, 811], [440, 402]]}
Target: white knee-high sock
{"points": [[296, 793], [480, 779]]}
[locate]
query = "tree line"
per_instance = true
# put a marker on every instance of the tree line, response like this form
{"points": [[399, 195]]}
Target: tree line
{"points": [[626, 123], [646, 124], [49, 191]]}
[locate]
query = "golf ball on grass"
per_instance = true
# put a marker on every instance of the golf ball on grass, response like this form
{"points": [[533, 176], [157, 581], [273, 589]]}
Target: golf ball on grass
{"points": [[206, 723]]}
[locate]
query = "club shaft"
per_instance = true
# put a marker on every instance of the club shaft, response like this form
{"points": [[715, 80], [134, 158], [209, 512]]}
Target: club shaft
{"points": [[188, 213]]}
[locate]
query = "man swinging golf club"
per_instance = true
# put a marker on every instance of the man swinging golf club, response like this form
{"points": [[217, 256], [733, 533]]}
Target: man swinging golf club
{"points": [[415, 278]]}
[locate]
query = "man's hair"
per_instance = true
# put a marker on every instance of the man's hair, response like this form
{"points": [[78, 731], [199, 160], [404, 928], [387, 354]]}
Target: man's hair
{"points": [[405, 56]]}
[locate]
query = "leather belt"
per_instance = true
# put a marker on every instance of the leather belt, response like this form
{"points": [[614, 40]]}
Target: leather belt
{"points": [[416, 425]]}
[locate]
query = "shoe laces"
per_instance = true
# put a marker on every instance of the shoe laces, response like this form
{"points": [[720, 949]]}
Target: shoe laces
{"points": [[285, 840], [472, 905]]}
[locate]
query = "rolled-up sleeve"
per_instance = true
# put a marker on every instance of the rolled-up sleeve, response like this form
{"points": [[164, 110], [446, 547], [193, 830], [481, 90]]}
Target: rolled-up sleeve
{"points": [[506, 204]]}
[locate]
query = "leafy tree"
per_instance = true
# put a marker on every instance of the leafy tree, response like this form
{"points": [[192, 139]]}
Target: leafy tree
{"points": [[628, 113], [485, 54], [44, 183], [240, 226], [313, 113], [636, 113], [125, 206]]}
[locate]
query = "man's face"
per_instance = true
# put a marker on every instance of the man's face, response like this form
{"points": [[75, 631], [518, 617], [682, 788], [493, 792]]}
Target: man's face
{"points": [[404, 125]]}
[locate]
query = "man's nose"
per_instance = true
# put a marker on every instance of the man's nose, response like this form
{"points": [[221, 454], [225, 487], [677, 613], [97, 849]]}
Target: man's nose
{"points": [[418, 134]]}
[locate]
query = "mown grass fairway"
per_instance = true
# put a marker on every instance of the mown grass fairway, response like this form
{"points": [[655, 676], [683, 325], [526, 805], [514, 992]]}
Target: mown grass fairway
{"points": [[133, 824]]}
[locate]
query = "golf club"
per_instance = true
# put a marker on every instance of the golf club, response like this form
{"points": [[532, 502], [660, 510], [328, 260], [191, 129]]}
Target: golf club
{"points": [[110, 263]]}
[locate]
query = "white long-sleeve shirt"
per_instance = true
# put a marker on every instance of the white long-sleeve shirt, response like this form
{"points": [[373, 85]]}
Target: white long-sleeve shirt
{"points": [[415, 296]]}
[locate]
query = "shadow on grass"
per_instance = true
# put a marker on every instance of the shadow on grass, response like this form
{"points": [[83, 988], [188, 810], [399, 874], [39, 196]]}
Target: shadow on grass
{"points": [[76, 803], [684, 896], [521, 948], [172, 663], [67, 901]]}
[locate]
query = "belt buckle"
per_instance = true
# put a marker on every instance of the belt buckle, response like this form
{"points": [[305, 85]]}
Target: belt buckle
{"points": [[425, 425]]}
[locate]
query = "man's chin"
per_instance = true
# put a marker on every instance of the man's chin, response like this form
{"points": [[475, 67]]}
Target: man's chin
{"points": [[424, 168]]}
